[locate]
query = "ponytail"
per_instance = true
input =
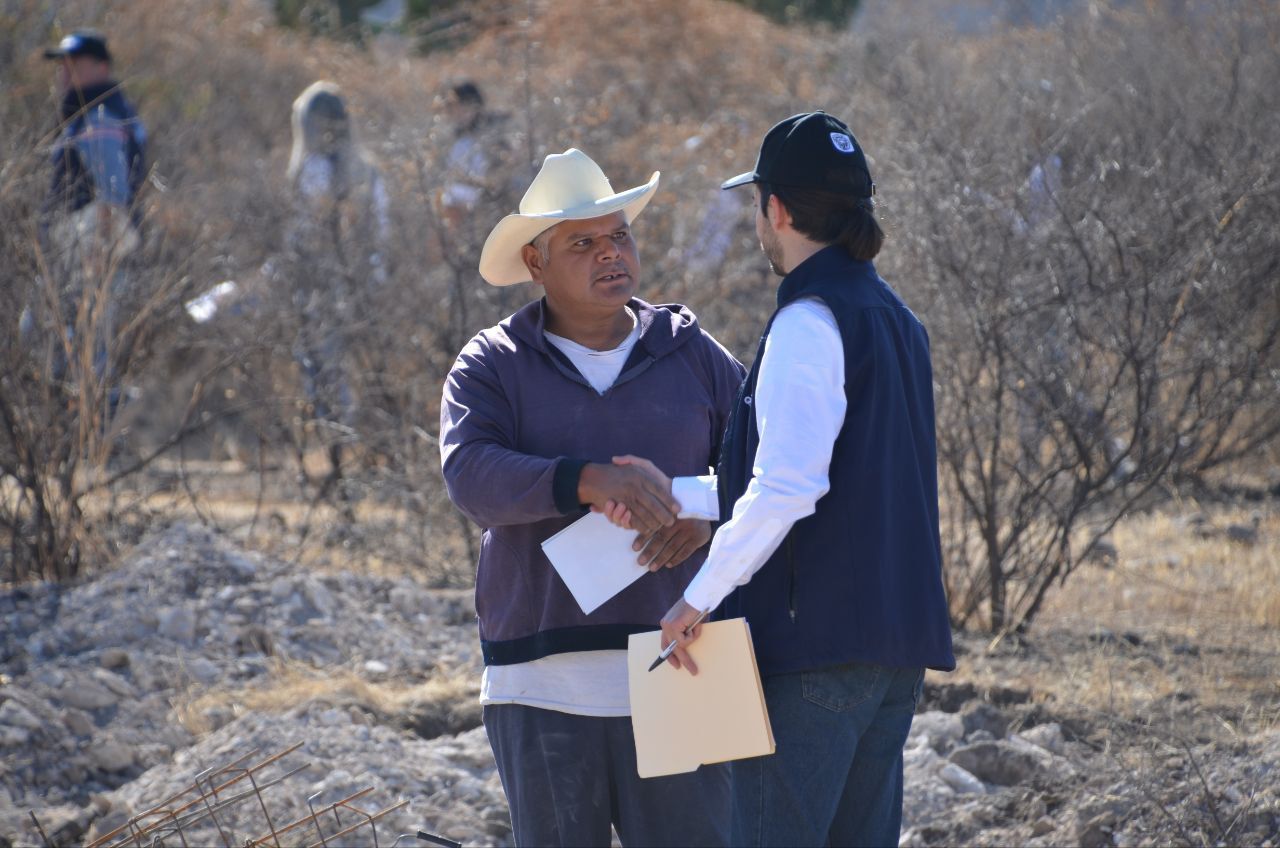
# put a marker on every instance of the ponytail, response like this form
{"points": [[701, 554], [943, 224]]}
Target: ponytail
{"points": [[830, 217]]}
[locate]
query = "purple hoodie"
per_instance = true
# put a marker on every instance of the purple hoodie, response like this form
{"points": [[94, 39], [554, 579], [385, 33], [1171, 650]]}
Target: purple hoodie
{"points": [[517, 424]]}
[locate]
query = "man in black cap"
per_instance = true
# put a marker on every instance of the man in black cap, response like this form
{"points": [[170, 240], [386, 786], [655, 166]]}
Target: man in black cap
{"points": [[89, 221], [827, 486], [100, 154]]}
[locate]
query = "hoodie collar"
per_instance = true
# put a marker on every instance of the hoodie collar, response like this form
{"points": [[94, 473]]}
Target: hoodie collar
{"points": [[663, 327]]}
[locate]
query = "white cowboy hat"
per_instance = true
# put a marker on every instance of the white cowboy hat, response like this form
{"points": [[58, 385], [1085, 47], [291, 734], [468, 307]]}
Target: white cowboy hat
{"points": [[569, 187]]}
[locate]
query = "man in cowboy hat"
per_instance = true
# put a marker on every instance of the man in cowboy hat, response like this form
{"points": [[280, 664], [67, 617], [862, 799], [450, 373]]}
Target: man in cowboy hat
{"points": [[827, 487], [534, 410]]}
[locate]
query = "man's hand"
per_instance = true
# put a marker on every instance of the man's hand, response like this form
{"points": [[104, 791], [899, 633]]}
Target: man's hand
{"points": [[669, 546], [646, 496], [619, 512], [674, 624]]}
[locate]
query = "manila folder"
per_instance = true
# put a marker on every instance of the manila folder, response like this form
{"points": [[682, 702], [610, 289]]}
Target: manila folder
{"points": [[682, 721]]}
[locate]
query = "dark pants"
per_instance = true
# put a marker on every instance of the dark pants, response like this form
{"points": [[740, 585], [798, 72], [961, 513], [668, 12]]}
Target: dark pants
{"points": [[568, 778], [836, 776]]}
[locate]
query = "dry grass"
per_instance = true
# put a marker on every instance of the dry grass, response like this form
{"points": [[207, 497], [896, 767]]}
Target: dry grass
{"points": [[1170, 576], [1181, 632], [289, 685]]}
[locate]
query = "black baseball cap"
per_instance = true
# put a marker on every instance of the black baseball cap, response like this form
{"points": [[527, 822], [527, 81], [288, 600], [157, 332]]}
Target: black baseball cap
{"points": [[810, 150], [82, 42]]}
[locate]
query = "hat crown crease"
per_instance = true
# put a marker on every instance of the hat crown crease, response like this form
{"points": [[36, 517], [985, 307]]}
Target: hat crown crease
{"points": [[566, 181]]}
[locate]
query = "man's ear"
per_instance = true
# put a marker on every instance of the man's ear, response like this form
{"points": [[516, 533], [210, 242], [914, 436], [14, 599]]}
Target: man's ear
{"points": [[779, 215], [533, 261]]}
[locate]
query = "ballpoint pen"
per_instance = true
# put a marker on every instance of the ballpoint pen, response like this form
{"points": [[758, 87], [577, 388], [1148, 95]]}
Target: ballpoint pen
{"points": [[666, 652]]}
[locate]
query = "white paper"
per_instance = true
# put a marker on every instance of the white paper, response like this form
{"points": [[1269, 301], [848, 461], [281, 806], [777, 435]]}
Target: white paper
{"points": [[594, 559]]}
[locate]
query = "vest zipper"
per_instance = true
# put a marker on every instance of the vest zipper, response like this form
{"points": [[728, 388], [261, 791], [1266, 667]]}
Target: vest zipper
{"points": [[791, 589]]}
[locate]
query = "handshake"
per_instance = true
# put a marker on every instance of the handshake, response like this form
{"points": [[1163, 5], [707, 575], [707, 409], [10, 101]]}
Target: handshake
{"points": [[633, 493]]}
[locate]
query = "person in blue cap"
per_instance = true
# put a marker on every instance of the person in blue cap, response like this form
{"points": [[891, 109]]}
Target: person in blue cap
{"points": [[827, 486], [89, 219], [101, 151]]}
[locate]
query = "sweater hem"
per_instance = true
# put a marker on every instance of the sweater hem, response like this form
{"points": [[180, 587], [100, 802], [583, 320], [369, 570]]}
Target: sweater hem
{"points": [[593, 637]]}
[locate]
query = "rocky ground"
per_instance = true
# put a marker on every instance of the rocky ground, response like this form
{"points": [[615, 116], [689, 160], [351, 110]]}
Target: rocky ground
{"points": [[191, 654]]}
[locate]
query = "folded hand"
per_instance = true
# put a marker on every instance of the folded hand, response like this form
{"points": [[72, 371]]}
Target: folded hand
{"points": [[667, 547]]}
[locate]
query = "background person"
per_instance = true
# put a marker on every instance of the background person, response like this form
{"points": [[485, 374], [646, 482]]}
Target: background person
{"points": [[89, 218], [337, 248]]}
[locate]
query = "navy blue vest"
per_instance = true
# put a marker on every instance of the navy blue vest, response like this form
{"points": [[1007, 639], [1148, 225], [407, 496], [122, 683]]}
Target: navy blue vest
{"points": [[860, 580]]}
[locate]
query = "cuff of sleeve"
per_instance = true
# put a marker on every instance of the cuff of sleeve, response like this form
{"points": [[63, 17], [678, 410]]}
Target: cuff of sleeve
{"points": [[564, 485], [697, 497], [705, 592]]}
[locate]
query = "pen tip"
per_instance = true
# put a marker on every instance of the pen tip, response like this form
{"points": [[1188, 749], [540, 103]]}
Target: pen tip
{"points": [[655, 663]]}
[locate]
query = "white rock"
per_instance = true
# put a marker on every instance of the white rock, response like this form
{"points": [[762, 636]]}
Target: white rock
{"points": [[178, 624], [14, 714], [114, 658], [943, 729], [376, 667], [14, 736], [87, 694], [203, 670], [78, 722], [320, 598], [921, 760], [110, 755], [281, 588], [1048, 736], [115, 683], [334, 718], [244, 567], [961, 780]]}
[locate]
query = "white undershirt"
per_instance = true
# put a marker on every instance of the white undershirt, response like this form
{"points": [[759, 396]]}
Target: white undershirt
{"points": [[592, 683], [799, 407]]}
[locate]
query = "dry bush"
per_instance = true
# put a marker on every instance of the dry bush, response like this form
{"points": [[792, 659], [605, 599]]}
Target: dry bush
{"points": [[1114, 329], [87, 321]]}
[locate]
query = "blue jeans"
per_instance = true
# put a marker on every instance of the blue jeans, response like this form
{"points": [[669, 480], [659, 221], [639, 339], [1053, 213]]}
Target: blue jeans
{"points": [[836, 777]]}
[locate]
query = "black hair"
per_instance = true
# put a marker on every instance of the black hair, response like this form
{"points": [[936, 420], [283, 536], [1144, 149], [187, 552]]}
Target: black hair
{"points": [[468, 92], [829, 217]]}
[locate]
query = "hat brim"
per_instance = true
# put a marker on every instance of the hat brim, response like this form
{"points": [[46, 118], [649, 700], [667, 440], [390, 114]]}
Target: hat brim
{"points": [[740, 180], [500, 261], [55, 53]]}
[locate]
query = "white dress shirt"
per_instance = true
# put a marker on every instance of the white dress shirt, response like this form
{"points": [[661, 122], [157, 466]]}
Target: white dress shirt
{"points": [[799, 407]]}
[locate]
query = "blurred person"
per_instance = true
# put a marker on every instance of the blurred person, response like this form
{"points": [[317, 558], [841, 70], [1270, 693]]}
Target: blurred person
{"points": [[476, 169], [534, 410], [100, 155], [89, 219], [827, 485], [337, 249], [1050, 394]]}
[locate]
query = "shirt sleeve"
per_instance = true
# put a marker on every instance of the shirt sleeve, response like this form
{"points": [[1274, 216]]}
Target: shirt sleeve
{"points": [[800, 407], [102, 147], [698, 497], [487, 479]]}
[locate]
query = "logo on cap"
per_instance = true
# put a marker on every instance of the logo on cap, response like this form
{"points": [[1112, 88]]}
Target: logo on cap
{"points": [[842, 142]]}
